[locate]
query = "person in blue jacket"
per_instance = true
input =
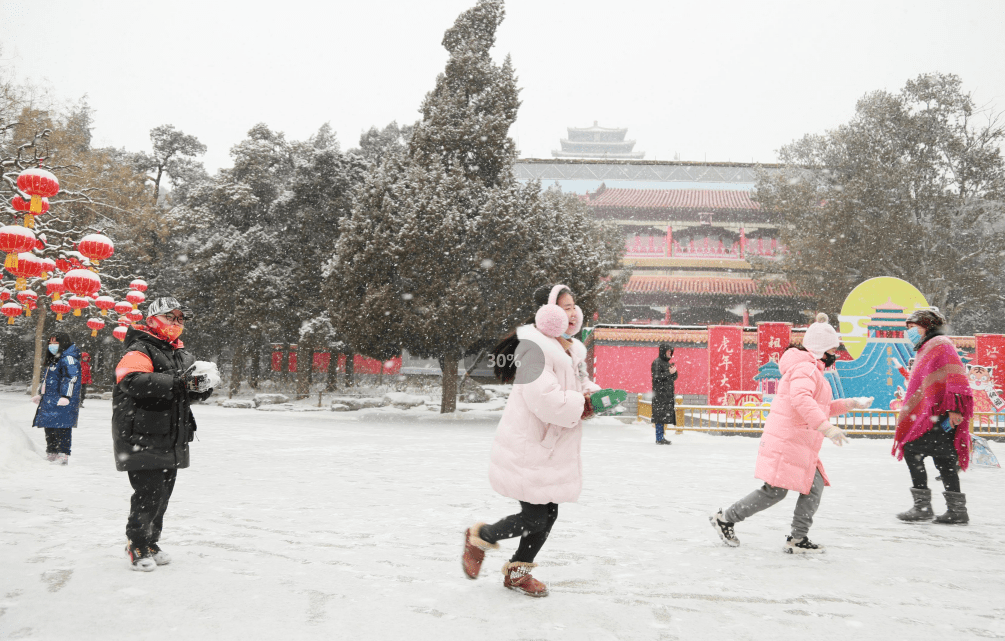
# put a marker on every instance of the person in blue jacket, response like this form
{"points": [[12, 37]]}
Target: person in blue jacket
{"points": [[58, 397]]}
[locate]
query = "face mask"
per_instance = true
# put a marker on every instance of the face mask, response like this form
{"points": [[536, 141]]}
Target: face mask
{"points": [[829, 359], [914, 336], [566, 336], [170, 332], [53, 349]]}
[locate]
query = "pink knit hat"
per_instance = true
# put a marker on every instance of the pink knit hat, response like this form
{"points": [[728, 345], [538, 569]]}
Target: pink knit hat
{"points": [[821, 337]]}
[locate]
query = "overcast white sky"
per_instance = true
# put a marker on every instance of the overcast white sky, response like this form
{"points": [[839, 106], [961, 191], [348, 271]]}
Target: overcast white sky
{"points": [[725, 80]]}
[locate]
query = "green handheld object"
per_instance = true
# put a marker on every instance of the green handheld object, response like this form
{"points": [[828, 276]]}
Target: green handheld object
{"points": [[607, 399]]}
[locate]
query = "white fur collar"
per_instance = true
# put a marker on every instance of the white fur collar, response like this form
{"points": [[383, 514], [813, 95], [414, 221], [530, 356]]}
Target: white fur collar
{"points": [[548, 344]]}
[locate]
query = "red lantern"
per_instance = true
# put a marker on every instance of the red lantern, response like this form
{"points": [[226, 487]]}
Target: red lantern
{"points": [[54, 287], [28, 265], [14, 240], [60, 307], [5, 295], [37, 183], [104, 303], [82, 282], [95, 324], [122, 308], [96, 247], [22, 205], [78, 303], [135, 316], [124, 321], [135, 298], [11, 310], [120, 332], [27, 298], [48, 266], [139, 285]]}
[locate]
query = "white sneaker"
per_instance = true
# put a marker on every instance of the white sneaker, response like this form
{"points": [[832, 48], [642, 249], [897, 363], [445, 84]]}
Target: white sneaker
{"points": [[801, 546], [62, 459], [724, 529], [140, 559], [160, 556], [51, 456]]}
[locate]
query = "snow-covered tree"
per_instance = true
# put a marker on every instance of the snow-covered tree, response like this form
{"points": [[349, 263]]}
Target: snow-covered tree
{"points": [[912, 187], [444, 247], [173, 156]]}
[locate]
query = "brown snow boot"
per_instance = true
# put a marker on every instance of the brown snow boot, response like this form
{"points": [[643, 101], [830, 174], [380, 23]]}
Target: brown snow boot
{"points": [[956, 509], [474, 551], [518, 578], [922, 510]]}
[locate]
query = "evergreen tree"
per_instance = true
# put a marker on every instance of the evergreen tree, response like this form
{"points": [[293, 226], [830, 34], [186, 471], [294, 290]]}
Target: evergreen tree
{"points": [[444, 247]]}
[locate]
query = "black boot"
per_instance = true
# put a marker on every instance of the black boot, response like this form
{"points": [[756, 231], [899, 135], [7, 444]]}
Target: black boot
{"points": [[922, 510], [956, 509]]}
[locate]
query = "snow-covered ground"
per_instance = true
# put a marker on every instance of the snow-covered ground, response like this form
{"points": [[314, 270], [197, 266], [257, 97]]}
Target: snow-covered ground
{"points": [[347, 525]]}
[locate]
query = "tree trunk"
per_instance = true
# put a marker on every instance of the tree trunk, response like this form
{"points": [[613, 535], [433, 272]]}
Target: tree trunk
{"points": [[448, 367], [256, 365], [237, 369], [36, 368], [305, 363], [332, 383], [350, 369]]}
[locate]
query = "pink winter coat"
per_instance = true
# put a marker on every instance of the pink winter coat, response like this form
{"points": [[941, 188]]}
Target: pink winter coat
{"points": [[536, 453], [790, 445]]}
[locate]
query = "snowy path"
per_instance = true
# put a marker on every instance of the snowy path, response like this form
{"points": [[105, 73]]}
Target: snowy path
{"points": [[348, 526]]}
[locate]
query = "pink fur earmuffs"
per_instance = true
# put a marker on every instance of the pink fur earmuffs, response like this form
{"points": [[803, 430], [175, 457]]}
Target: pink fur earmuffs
{"points": [[551, 320]]}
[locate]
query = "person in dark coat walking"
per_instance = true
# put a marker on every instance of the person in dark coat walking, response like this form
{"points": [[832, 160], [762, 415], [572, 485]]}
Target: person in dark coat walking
{"points": [[58, 397], [664, 376], [152, 422]]}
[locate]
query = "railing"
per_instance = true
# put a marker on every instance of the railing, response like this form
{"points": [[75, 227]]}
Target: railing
{"points": [[750, 419]]}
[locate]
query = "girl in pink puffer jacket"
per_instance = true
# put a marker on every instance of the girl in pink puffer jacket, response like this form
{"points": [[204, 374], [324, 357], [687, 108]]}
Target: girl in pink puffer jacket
{"points": [[788, 456], [536, 454]]}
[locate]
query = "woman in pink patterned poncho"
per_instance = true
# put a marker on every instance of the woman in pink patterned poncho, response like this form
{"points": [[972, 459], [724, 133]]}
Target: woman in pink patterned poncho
{"points": [[935, 419]]}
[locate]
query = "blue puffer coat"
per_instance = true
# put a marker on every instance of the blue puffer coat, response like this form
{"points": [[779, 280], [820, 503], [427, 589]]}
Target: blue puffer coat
{"points": [[62, 379]]}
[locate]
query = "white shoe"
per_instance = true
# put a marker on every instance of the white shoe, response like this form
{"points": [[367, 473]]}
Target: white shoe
{"points": [[724, 529], [160, 556], [140, 559], [62, 459], [801, 546], [51, 456]]}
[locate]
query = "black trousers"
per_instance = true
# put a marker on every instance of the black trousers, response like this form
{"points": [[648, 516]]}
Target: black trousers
{"points": [[940, 445], [151, 493], [58, 440], [532, 524]]}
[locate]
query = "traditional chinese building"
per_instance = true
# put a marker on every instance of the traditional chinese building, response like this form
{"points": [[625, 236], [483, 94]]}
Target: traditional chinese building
{"points": [[597, 142], [691, 234]]}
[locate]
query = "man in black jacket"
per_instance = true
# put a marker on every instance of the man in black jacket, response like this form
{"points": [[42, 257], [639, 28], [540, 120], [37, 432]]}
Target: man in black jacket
{"points": [[664, 374], [152, 423]]}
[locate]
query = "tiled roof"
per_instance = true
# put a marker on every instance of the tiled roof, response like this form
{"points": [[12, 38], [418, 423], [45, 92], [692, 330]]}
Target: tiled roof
{"points": [[711, 199], [663, 334], [707, 285]]}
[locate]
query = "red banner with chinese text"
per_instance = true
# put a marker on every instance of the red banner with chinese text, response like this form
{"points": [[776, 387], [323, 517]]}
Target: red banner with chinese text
{"points": [[725, 351], [772, 339], [990, 352]]}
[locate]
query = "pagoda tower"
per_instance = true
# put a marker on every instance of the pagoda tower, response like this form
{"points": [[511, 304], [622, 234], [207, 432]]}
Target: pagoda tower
{"points": [[598, 142]]}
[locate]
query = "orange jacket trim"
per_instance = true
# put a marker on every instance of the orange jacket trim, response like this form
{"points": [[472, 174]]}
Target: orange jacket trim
{"points": [[133, 362]]}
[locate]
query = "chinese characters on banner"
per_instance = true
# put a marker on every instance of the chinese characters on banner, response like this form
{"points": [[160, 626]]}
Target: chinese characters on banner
{"points": [[725, 349], [772, 339], [991, 351]]}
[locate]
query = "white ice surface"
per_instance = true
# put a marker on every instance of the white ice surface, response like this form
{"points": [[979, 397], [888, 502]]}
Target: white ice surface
{"points": [[330, 525]]}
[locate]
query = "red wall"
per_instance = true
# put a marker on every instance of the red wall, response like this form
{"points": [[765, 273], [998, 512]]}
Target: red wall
{"points": [[627, 368]]}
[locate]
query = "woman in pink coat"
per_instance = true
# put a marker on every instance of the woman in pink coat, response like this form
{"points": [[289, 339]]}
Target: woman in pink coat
{"points": [[536, 453], [788, 457]]}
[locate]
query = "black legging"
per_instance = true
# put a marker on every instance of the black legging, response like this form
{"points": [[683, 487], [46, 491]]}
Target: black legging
{"points": [[58, 440], [532, 525], [940, 445]]}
